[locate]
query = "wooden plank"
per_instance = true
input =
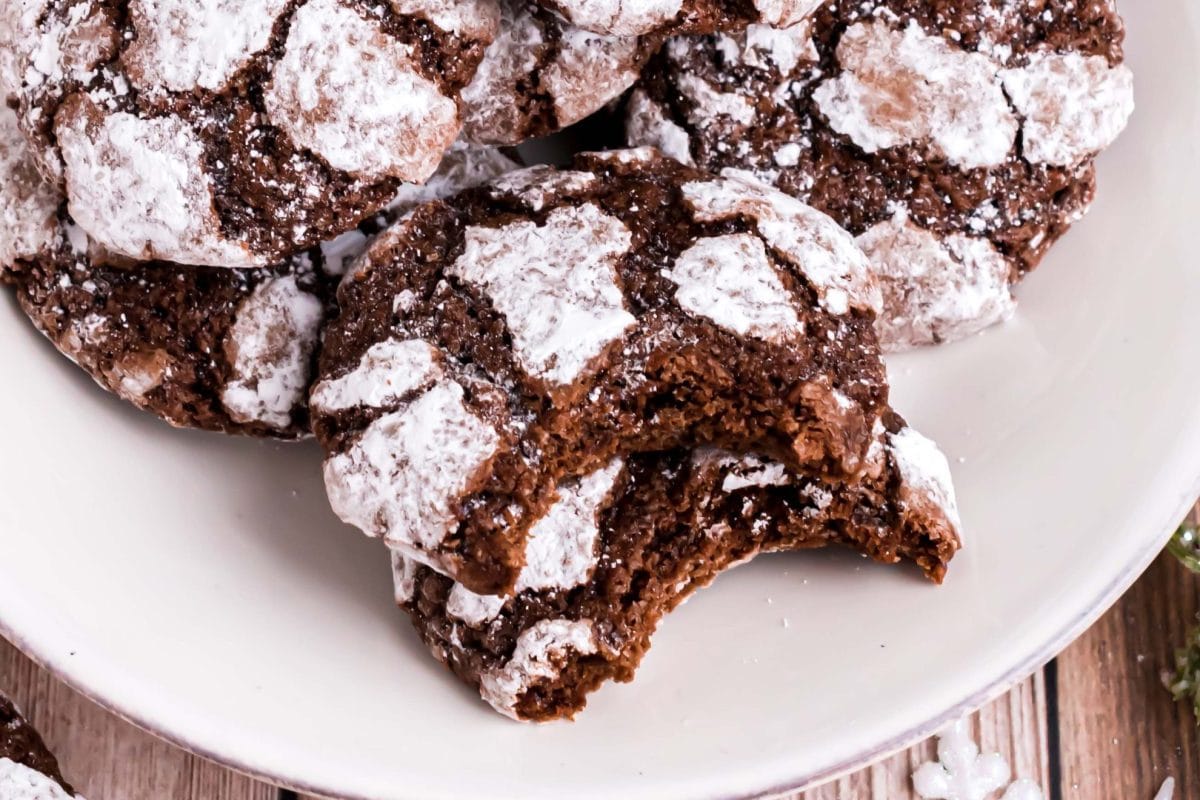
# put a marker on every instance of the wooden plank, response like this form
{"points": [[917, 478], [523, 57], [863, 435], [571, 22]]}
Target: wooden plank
{"points": [[1015, 726], [107, 758], [1121, 733]]}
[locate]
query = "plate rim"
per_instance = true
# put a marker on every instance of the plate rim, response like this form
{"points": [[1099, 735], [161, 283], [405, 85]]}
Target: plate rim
{"points": [[1024, 667]]}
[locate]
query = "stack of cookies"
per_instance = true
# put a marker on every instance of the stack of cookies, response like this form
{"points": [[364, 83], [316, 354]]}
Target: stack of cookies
{"points": [[564, 397]]}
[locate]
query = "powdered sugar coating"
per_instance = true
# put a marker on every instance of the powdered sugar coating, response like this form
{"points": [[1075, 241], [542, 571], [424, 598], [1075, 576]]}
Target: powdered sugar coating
{"points": [[561, 550], [357, 99], [648, 125], [537, 658], [183, 45], [808, 239], [555, 284], [620, 17], [139, 187], [730, 280], [709, 104], [1073, 105], [785, 13], [387, 373], [465, 166], [902, 87], [925, 473], [491, 113], [270, 347], [542, 74], [539, 185], [471, 608], [935, 288], [404, 577], [590, 70], [403, 476], [28, 205], [19, 782], [477, 19]]}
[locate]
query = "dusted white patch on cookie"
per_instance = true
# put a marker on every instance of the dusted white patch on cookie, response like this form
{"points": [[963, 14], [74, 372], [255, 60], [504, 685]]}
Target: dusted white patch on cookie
{"points": [[271, 345], [709, 104], [560, 552], [752, 471], [383, 376], [785, 13], [28, 205], [51, 50], [19, 782], [464, 167], [491, 111], [471, 608], [620, 17], [1073, 105], [182, 45], [139, 188], [646, 124], [935, 288], [589, 71], [474, 19], [925, 474], [404, 577], [539, 657], [357, 99], [628, 155], [137, 374], [903, 87], [403, 478], [556, 285], [538, 185], [809, 240], [766, 46], [731, 281]]}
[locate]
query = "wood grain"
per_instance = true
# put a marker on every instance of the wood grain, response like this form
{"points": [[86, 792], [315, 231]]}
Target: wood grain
{"points": [[1120, 732], [105, 757], [1015, 726]]}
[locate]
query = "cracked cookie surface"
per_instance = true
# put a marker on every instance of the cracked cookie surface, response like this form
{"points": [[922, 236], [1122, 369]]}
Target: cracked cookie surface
{"points": [[954, 138], [234, 134]]}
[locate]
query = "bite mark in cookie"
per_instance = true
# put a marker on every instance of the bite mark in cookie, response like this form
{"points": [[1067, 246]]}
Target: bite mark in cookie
{"points": [[577, 316], [669, 525]]}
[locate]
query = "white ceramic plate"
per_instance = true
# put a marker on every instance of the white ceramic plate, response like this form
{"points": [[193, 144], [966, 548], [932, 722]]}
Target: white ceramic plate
{"points": [[200, 587]]}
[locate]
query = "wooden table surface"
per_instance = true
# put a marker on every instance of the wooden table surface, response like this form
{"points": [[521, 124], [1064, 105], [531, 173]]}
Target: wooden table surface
{"points": [[1095, 724]]}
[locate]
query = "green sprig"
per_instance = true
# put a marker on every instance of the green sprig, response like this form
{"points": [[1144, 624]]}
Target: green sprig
{"points": [[1185, 545], [1185, 682]]}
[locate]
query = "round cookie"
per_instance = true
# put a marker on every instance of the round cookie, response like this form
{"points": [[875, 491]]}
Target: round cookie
{"points": [[641, 17], [234, 133], [954, 138], [528, 332], [28, 770], [543, 74]]}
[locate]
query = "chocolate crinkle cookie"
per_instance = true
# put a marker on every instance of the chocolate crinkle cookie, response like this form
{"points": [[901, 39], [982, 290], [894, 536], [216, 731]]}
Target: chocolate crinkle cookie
{"points": [[235, 133], [529, 332], [229, 350], [28, 770], [640, 17], [954, 138], [624, 546], [543, 74]]}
